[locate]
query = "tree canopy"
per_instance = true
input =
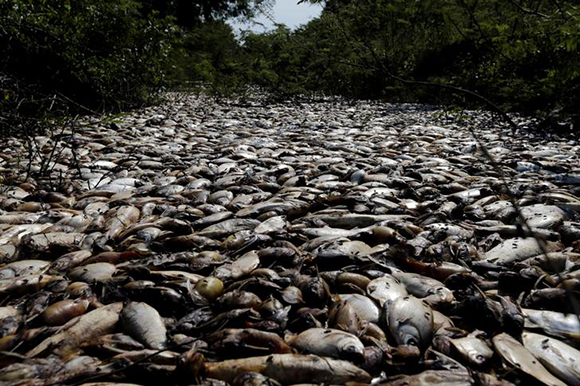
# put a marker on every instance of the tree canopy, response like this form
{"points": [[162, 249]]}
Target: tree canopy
{"points": [[520, 55]]}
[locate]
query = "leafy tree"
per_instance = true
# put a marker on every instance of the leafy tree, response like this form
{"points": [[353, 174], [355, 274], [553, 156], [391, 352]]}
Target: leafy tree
{"points": [[78, 55], [191, 13], [62, 56], [207, 55], [517, 55]]}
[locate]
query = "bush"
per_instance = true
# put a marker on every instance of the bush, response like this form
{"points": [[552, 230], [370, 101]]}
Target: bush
{"points": [[78, 56], [521, 55]]}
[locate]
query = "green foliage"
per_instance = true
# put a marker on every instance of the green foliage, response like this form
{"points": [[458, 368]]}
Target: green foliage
{"points": [[207, 55], [521, 54], [192, 13], [272, 61], [63, 57], [75, 55]]}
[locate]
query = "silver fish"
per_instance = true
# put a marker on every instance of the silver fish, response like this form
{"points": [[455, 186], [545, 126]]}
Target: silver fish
{"points": [[385, 289], [552, 323], [518, 356], [144, 323], [93, 324], [289, 369], [329, 343], [410, 321], [517, 249], [426, 288], [473, 349], [558, 357]]}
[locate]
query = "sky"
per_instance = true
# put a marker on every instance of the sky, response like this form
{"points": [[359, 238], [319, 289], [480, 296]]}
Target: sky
{"points": [[286, 12]]}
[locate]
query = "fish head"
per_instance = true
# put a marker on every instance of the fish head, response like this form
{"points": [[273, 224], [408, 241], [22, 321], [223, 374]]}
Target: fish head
{"points": [[352, 352], [477, 358], [408, 335], [445, 294]]}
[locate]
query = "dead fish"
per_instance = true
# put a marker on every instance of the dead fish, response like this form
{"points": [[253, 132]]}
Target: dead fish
{"points": [[228, 227], [430, 290], [121, 219], [510, 231], [23, 372], [363, 307], [329, 343], [70, 260], [212, 219], [273, 224], [157, 357], [343, 316], [221, 197], [14, 233], [88, 326], [52, 242], [410, 321], [442, 325], [110, 384], [24, 284], [278, 205], [149, 234], [245, 264], [543, 216], [144, 323], [289, 369], [245, 223], [188, 242], [8, 252], [210, 287], [342, 248], [292, 295], [315, 290], [353, 220], [514, 353], [473, 350], [440, 270], [112, 344], [99, 272], [95, 209], [517, 249], [23, 268], [233, 342], [77, 223], [254, 379], [9, 311], [22, 218], [432, 377], [558, 357], [386, 288], [112, 257], [61, 312], [500, 210], [32, 207], [331, 233], [557, 299], [552, 323], [353, 279]]}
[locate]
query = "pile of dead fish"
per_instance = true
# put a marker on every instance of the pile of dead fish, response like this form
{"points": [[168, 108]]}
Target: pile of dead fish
{"points": [[322, 243]]}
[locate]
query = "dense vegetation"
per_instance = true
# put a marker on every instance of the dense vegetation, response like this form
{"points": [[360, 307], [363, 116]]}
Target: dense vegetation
{"points": [[518, 55], [63, 57]]}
